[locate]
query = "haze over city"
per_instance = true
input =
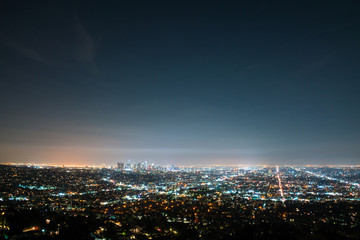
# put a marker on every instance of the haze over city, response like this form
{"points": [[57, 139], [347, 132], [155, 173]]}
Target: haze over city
{"points": [[180, 83]]}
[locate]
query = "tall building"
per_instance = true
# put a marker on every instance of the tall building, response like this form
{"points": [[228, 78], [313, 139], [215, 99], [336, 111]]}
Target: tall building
{"points": [[138, 166], [146, 165], [120, 166], [128, 166]]}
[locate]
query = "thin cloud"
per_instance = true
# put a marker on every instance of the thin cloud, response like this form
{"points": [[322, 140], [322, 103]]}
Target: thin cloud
{"points": [[315, 66], [332, 29], [86, 50], [29, 53]]}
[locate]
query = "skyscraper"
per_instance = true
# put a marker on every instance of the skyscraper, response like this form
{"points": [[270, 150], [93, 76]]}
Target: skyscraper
{"points": [[120, 166], [146, 165], [128, 166]]}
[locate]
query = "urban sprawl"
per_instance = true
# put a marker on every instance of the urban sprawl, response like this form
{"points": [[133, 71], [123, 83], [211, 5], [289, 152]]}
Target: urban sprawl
{"points": [[144, 201]]}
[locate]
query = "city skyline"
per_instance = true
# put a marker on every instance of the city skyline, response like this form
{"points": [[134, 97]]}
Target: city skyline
{"points": [[91, 83]]}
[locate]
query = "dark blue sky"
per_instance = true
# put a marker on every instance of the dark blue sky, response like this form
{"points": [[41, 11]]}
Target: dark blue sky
{"points": [[180, 82]]}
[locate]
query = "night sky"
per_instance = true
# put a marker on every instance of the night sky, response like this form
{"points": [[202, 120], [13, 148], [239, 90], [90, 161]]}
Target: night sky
{"points": [[180, 82]]}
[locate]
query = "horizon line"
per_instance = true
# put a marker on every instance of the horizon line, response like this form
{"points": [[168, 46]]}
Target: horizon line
{"points": [[181, 166]]}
